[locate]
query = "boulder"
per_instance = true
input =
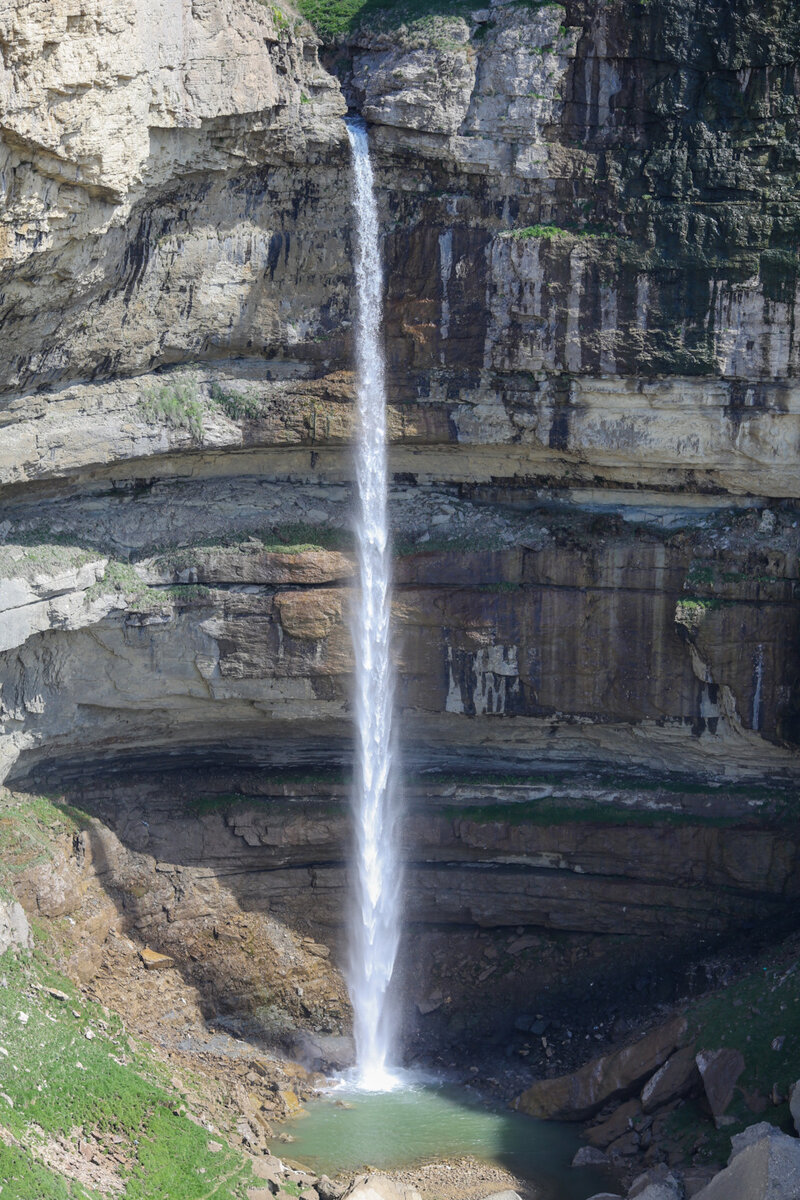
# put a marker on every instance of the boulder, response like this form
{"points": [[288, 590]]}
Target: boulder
{"points": [[767, 1169], [580, 1095], [616, 1126], [659, 1176], [719, 1070], [753, 1133], [14, 927], [429, 1004], [794, 1105], [327, 1189], [506, 1195], [153, 961], [590, 1156], [695, 1179], [678, 1076], [625, 1146], [270, 1169], [380, 1187]]}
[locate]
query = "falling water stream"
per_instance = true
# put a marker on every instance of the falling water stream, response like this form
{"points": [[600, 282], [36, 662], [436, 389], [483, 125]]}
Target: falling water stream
{"points": [[413, 1120], [375, 921]]}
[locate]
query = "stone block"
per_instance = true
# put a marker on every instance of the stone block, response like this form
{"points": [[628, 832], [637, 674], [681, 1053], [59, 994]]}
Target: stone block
{"points": [[619, 1123], [578, 1096], [719, 1070], [794, 1105], [768, 1169], [153, 961], [678, 1076], [14, 927]]}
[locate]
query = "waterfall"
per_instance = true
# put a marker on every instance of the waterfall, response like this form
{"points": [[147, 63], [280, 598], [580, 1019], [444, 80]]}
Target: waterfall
{"points": [[446, 261], [375, 921], [758, 677]]}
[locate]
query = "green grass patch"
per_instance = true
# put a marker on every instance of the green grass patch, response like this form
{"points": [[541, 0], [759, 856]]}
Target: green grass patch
{"points": [[290, 1187], [547, 812], [539, 231], [120, 578], [332, 18], [555, 232], [21, 1178], [279, 539], [42, 553], [176, 403], [295, 538], [27, 829], [238, 405], [184, 593], [123, 580], [80, 1077], [759, 1015]]}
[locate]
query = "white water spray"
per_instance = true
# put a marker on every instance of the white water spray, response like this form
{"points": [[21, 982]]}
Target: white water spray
{"points": [[375, 929], [758, 673]]}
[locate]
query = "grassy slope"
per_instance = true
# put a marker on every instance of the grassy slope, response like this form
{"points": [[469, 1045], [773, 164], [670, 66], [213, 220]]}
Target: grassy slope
{"points": [[57, 1083], [331, 17], [751, 1015]]}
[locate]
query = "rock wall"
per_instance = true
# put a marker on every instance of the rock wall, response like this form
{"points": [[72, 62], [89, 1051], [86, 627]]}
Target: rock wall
{"points": [[577, 642], [590, 233]]}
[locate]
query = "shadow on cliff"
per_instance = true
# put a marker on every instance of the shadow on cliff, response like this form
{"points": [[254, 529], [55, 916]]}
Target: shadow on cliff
{"points": [[240, 876], [246, 907]]}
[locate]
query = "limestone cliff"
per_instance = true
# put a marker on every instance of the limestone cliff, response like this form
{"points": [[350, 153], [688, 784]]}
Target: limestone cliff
{"points": [[591, 224]]}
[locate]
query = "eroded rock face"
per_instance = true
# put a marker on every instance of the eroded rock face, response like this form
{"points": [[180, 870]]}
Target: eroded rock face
{"points": [[635, 126], [675, 651], [561, 898], [151, 150], [590, 244]]}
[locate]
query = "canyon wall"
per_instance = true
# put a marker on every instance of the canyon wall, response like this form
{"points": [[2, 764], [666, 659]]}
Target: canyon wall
{"points": [[591, 233]]}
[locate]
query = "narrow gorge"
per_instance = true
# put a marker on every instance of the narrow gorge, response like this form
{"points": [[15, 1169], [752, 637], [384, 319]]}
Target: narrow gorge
{"points": [[589, 220]]}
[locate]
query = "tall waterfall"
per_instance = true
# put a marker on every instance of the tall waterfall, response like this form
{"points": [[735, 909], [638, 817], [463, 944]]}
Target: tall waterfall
{"points": [[375, 929]]}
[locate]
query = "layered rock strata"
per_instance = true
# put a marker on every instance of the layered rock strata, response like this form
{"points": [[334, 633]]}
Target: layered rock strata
{"points": [[590, 225], [578, 639], [520, 895]]}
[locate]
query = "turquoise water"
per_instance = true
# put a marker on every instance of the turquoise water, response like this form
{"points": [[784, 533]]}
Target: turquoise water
{"points": [[347, 1130]]}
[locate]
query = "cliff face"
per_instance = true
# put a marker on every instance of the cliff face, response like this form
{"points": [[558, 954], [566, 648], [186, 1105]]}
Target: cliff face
{"points": [[149, 152], [590, 223]]}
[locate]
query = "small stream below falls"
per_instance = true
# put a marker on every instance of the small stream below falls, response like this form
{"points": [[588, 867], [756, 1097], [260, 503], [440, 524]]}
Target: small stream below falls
{"points": [[345, 1130]]}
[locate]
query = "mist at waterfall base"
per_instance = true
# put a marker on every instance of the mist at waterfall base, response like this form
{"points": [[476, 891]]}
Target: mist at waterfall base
{"points": [[375, 910]]}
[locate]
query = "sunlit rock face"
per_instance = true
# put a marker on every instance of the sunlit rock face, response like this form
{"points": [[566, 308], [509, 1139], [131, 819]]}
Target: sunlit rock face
{"points": [[154, 153], [590, 236]]}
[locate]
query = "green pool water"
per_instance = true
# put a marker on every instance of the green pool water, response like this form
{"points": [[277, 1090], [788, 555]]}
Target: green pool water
{"points": [[347, 1130]]}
